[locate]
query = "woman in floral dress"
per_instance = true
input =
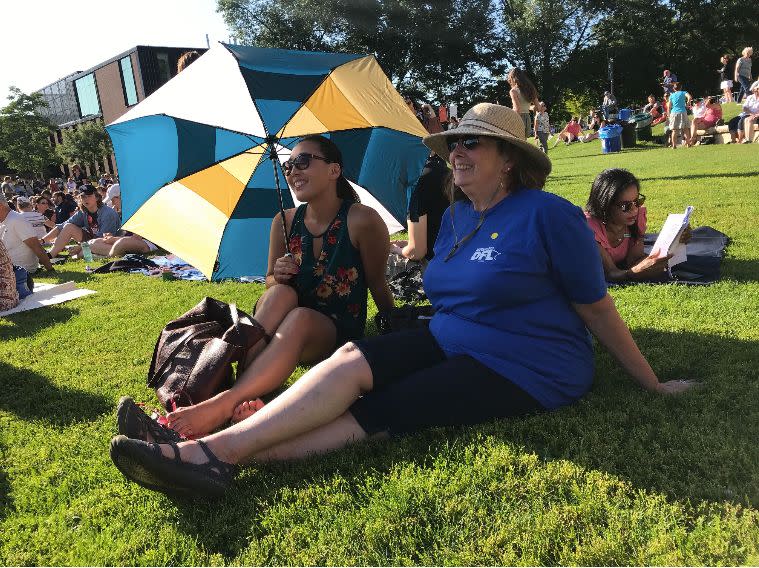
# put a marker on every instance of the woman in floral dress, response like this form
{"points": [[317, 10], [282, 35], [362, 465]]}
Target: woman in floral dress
{"points": [[316, 295]]}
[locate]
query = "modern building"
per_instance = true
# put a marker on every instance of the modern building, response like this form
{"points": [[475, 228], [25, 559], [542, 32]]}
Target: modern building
{"points": [[109, 89]]}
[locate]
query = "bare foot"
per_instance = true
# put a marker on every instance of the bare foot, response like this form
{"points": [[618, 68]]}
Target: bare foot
{"points": [[196, 421], [246, 409]]}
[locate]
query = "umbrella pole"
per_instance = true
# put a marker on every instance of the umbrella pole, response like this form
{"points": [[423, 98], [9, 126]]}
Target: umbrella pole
{"points": [[274, 159]]}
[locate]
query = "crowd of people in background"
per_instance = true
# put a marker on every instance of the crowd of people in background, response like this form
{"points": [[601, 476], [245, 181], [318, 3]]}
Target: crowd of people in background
{"points": [[66, 212], [59, 212]]}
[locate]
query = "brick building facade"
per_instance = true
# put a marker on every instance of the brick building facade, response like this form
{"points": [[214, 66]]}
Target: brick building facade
{"points": [[108, 90]]}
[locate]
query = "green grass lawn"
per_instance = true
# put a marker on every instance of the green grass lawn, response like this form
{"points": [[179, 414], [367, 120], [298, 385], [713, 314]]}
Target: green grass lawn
{"points": [[623, 477]]}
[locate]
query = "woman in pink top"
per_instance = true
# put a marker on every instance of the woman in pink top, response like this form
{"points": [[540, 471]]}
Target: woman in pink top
{"points": [[571, 132], [617, 218], [709, 120]]}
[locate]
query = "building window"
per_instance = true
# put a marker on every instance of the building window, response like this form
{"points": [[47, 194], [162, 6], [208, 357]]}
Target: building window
{"points": [[127, 80], [164, 69], [87, 95]]}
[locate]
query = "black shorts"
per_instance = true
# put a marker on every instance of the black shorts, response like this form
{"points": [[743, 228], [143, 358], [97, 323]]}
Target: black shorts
{"points": [[416, 386]]}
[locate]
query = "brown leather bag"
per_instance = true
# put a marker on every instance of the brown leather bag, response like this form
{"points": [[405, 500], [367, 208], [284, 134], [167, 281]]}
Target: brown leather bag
{"points": [[193, 356]]}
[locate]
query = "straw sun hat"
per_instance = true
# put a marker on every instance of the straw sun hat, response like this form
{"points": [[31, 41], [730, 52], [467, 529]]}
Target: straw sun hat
{"points": [[496, 121]]}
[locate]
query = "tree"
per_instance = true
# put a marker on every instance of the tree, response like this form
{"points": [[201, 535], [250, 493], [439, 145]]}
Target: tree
{"points": [[85, 145], [546, 37], [442, 48], [25, 134]]}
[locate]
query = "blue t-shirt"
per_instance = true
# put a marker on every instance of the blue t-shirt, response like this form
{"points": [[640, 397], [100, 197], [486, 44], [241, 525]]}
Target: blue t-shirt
{"points": [[505, 297], [677, 101], [106, 220]]}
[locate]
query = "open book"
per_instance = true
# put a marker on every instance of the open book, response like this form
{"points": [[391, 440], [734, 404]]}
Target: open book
{"points": [[668, 241]]}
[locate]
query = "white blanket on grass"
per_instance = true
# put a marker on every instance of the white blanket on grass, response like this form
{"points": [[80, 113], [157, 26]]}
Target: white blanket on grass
{"points": [[47, 295]]}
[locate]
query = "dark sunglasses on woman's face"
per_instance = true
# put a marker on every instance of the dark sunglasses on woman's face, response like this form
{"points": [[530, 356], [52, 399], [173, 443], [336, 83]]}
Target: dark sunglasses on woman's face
{"points": [[467, 142], [301, 162], [625, 206]]}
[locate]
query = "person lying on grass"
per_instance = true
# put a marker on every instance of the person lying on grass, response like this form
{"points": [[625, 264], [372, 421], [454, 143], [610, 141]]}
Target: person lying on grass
{"points": [[616, 215], [316, 298], [516, 282]]}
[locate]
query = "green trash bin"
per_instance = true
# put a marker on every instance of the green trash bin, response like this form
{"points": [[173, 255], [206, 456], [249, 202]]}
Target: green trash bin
{"points": [[629, 138], [642, 122]]}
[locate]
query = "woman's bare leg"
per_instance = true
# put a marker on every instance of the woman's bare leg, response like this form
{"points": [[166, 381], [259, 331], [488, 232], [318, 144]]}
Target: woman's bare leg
{"points": [[126, 245], [316, 404], [304, 335], [68, 233], [100, 247], [748, 128]]}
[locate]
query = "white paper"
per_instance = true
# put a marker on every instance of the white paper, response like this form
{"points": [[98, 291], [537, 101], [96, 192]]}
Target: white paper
{"points": [[668, 241], [47, 295]]}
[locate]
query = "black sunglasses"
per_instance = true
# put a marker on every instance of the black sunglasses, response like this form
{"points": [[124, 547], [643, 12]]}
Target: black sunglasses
{"points": [[301, 162], [625, 206], [467, 142]]}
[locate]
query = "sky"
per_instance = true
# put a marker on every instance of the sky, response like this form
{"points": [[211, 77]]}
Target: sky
{"points": [[45, 40]]}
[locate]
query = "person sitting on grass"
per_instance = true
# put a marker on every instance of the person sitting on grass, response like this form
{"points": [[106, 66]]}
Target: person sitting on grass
{"points": [[516, 282], [711, 116], [595, 125], [36, 219], [43, 205], [616, 215], [65, 206], [750, 113], [738, 132], [20, 240], [571, 132], [9, 297], [316, 297], [91, 221], [652, 107], [426, 207]]}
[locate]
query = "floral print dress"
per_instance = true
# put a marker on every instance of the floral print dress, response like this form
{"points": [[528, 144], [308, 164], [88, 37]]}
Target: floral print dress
{"points": [[8, 291], [333, 284]]}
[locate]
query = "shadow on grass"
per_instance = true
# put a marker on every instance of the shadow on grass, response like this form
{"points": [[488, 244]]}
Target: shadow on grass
{"points": [[703, 176], [62, 275], [740, 270], [26, 324], [597, 151], [700, 446], [6, 503], [30, 396]]}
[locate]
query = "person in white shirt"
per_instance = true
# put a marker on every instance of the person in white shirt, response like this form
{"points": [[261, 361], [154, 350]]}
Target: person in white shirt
{"points": [[20, 240], [750, 113], [35, 218], [113, 197]]}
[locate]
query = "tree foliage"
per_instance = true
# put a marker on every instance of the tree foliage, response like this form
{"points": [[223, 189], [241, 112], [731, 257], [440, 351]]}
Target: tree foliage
{"points": [[25, 134], [459, 51], [545, 38], [443, 49], [85, 145]]}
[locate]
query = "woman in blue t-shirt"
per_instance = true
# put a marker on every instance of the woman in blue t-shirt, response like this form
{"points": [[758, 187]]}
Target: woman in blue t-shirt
{"points": [[516, 282]]}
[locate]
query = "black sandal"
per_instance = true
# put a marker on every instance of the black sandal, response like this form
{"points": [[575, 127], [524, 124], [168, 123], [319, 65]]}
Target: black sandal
{"points": [[155, 471], [129, 456], [134, 423]]}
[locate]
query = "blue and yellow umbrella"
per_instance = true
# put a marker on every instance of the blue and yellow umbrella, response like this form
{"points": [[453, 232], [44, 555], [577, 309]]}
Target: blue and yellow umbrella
{"points": [[199, 159]]}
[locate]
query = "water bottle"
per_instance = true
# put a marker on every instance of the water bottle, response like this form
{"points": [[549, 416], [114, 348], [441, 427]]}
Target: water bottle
{"points": [[87, 255]]}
